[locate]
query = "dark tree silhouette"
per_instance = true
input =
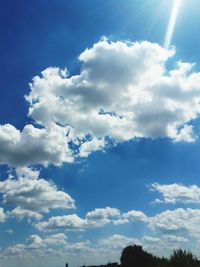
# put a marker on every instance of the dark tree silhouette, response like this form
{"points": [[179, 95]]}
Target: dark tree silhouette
{"points": [[183, 258], [162, 262], [135, 256]]}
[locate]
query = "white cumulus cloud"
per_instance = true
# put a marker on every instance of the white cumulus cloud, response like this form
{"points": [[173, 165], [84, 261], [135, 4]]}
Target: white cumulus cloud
{"points": [[177, 221], [32, 197], [34, 145], [93, 219], [177, 193], [118, 242], [131, 216], [123, 91]]}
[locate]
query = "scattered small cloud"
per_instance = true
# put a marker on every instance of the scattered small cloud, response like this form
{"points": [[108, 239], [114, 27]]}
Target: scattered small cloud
{"points": [[9, 231], [176, 193], [2, 215], [131, 216]]}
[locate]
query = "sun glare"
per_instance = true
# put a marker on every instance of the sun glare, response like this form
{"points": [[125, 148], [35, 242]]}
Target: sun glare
{"points": [[172, 23]]}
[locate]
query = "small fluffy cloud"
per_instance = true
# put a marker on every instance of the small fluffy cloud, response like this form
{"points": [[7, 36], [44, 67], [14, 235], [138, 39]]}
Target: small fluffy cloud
{"points": [[9, 231], [135, 215], [79, 248], [27, 172], [32, 197], [2, 215], [118, 242], [93, 219], [91, 146], [21, 213], [56, 239], [177, 193], [34, 145], [132, 216], [36, 242], [100, 217], [68, 222]]}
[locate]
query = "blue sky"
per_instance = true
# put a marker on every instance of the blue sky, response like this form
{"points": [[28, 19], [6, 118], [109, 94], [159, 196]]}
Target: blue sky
{"points": [[99, 135]]}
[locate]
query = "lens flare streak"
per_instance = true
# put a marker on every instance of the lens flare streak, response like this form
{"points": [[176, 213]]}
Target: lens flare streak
{"points": [[172, 23]]}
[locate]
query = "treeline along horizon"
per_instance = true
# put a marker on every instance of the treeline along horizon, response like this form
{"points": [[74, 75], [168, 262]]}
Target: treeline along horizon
{"points": [[135, 256]]}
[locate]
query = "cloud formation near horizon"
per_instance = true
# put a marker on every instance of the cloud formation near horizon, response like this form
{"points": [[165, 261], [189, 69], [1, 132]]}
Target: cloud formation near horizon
{"points": [[34, 196]]}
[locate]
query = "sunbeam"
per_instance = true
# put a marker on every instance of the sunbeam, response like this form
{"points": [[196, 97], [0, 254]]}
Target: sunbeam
{"points": [[172, 23]]}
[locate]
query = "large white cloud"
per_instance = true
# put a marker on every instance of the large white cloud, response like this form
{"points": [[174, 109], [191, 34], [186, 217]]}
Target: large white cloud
{"points": [[177, 193], [32, 197], [123, 91]]}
